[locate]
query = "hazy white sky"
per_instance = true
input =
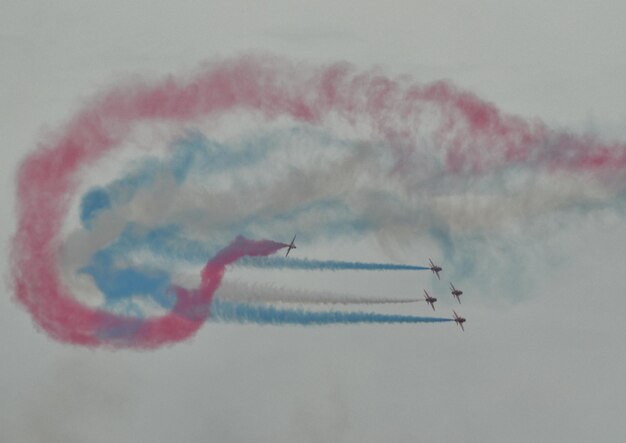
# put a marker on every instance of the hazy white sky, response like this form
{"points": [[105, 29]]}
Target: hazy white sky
{"points": [[549, 368]]}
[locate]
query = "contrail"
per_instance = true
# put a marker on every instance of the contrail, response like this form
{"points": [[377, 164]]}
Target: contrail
{"points": [[323, 265], [256, 293], [253, 313]]}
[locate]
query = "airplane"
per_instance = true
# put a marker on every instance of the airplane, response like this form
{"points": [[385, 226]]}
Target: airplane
{"points": [[456, 292], [291, 246], [436, 269], [430, 300], [459, 320]]}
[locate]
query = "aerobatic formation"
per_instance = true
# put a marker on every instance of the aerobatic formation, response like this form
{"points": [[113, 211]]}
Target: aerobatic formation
{"points": [[131, 215]]}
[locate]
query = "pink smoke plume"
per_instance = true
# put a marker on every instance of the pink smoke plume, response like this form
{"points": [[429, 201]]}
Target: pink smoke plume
{"points": [[473, 135]]}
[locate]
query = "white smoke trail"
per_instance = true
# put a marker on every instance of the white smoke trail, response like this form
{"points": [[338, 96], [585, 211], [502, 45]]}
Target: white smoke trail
{"points": [[265, 293]]}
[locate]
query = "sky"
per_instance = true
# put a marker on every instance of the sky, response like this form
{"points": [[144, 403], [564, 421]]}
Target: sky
{"points": [[536, 246]]}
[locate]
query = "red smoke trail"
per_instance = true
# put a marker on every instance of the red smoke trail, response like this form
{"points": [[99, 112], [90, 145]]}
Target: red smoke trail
{"points": [[47, 178], [192, 308], [474, 136]]}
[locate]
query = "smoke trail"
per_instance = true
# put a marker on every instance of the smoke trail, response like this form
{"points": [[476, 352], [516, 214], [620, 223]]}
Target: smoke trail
{"points": [[323, 265], [194, 155], [251, 313], [76, 323], [241, 292], [423, 161]]}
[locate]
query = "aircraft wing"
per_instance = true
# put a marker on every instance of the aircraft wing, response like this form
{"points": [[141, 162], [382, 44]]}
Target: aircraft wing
{"points": [[462, 328]]}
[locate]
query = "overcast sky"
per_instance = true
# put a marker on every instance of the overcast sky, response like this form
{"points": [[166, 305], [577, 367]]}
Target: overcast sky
{"points": [[546, 368]]}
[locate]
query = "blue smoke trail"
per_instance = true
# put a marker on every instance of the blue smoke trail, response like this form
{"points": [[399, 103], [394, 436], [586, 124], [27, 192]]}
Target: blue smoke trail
{"points": [[119, 285], [121, 191], [264, 314], [192, 154], [322, 265]]}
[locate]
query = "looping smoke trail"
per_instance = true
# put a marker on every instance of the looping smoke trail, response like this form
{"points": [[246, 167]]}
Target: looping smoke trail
{"points": [[436, 160], [192, 307]]}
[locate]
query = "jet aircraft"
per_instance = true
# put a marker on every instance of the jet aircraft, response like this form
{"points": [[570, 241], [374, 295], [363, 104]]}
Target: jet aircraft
{"points": [[456, 292], [459, 320], [291, 246], [436, 269], [430, 300]]}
